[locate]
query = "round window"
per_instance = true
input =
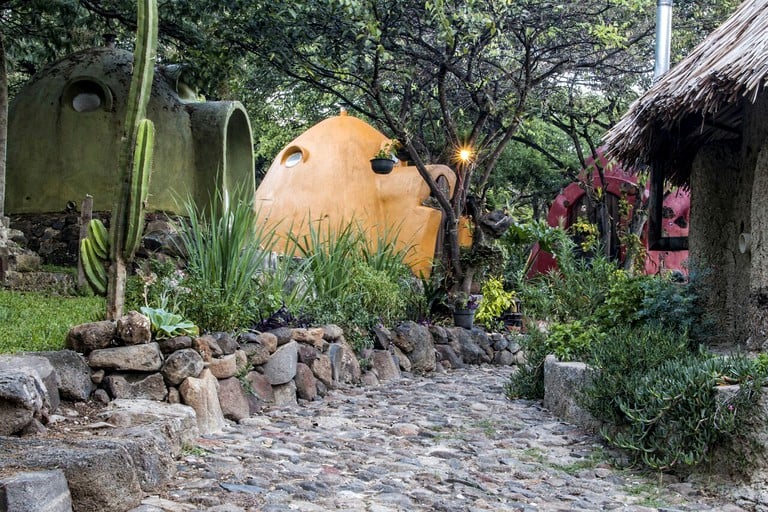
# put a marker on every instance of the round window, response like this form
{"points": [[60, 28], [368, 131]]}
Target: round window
{"points": [[86, 95]]}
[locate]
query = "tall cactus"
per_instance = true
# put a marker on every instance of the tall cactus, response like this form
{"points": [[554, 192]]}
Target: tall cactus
{"points": [[135, 160]]}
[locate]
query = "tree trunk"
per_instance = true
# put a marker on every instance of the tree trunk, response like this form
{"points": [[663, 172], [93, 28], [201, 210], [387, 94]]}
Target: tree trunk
{"points": [[3, 126], [635, 230]]}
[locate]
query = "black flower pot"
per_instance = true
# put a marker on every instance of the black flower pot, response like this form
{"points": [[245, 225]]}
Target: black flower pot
{"points": [[464, 318], [382, 165]]}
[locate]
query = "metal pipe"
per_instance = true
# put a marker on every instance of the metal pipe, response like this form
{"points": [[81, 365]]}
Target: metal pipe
{"points": [[663, 37]]}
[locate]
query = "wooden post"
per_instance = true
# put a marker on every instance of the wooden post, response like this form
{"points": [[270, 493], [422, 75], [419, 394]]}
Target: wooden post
{"points": [[3, 263]]}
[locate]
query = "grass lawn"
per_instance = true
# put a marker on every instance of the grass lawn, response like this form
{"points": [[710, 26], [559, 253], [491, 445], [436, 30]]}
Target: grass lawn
{"points": [[32, 321]]}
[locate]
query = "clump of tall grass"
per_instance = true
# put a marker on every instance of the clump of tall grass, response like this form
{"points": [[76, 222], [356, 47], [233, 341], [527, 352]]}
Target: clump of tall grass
{"points": [[355, 279], [225, 247]]}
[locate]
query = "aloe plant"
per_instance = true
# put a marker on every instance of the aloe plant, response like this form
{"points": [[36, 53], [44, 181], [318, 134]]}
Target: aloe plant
{"points": [[135, 160]]}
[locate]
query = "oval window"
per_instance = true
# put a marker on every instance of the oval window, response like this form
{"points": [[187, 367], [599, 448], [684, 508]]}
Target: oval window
{"points": [[86, 102], [294, 159]]}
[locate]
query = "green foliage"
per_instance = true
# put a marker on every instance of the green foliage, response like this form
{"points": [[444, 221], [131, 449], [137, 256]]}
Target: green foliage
{"points": [[672, 304], [654, 393], [587, 303], [571, 292], [157, 283], [587, 235], [372, 298], [36, 321], [622, 357], [567, 341], [495, 301], [528, 380], [571, 341], [167, 325], [673, 414], [225, 248], [327, 255], [283, 284], [624, 300], [353, 282], [388, 151], [377, 293]]}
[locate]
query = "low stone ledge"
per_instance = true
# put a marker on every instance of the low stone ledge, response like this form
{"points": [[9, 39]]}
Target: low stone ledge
{"points": [[177, 422], [744, 458], [563, 382]]}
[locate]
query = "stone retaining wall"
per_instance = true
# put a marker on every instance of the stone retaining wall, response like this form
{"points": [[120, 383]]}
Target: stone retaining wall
{"points": [[55, 237]]}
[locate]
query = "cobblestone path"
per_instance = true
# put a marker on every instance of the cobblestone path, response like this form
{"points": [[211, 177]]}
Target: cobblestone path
{"points": [[450, 442]]}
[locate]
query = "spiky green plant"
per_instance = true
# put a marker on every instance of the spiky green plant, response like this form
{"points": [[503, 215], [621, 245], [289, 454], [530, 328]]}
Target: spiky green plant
{"points": [[328, 252], [226, 248], [135, 159], [354, 281]]}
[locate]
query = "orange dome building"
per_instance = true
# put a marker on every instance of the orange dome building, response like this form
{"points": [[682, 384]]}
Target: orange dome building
{"points": [[324, 177]]}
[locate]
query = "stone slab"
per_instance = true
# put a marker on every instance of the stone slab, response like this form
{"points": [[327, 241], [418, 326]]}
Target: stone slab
{"points": [[563, 381], [35, 491]]}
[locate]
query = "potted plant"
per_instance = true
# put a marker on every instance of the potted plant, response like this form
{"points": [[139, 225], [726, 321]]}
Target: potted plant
{"points": [[464, 308], [499, 305], [384, 160]]}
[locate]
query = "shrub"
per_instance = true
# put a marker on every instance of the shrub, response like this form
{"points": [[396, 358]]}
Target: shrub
{"points": [[674, 305], [568, 342], [572, 291], [622, 357], [157, 282], [281, 287], [528, 380], [495, 301], [568, 299], [673, 415]]}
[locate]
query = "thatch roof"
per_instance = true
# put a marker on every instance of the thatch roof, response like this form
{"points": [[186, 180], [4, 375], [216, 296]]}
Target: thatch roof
{"points": [[700, 99]]}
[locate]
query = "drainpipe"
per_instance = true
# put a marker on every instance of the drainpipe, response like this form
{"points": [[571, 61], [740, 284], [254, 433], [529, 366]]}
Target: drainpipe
{"points": [[663, 37]]}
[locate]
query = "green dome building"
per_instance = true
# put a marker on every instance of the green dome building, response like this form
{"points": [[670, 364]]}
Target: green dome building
{"points": [[64, 132]]}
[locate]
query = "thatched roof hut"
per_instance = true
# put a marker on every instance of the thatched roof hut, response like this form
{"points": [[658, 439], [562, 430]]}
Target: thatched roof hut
{"points": [[703, 124], [701, 99]]}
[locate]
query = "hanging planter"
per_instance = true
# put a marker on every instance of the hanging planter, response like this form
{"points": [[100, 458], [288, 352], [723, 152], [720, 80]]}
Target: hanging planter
{"points": [[385, 158], [382, 165]]}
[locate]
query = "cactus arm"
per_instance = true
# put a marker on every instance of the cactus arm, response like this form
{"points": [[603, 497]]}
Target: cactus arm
{"points": [[93, 267], [99, 237], [142, 166]]}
